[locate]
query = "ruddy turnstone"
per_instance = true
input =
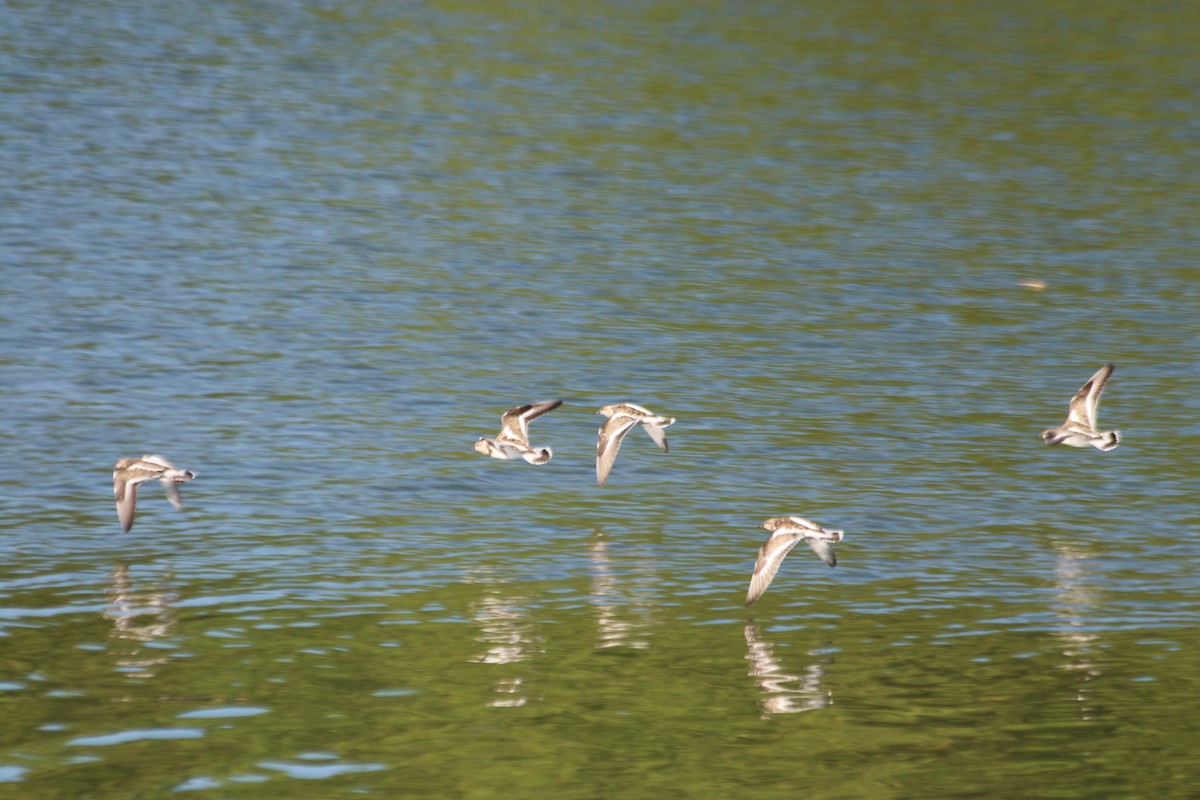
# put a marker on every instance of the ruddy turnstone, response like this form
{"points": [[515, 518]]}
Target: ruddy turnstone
{"points": [[513, 440], [786, 533], [128, 473], [1080, 428], [621, 419]]}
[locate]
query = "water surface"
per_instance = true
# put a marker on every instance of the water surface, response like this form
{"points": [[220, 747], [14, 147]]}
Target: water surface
{"points": [[312, 250]]}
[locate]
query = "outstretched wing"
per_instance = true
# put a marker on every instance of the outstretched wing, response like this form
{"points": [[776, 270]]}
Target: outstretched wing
{"points": [[156, 460], [514, 426], [770, 556], [126, 494], [824, 551], [805, 523], [172, 493], [657, 434], [1086, 401], [612, 432]]}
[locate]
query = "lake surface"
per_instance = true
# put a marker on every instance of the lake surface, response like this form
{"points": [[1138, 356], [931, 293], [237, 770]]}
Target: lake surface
{"points": [[313, 250]]}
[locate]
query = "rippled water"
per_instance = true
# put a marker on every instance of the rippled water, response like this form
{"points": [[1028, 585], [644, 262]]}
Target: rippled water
{"points": [[312, 250]]}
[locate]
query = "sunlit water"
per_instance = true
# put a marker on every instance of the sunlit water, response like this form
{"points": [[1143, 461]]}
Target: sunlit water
{"points": [[312, 251]]}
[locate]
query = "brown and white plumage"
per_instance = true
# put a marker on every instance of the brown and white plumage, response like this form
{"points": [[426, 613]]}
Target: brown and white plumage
{"points": [[1080, 428], [129, 473], [621, 419], [513, 440], [786, 533]]}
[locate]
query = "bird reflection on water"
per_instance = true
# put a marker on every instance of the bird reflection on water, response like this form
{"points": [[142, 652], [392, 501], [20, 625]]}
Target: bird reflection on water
{"points": [[609, 599], [139, 616], [507, 631], [1076, 600], [783, 692]]}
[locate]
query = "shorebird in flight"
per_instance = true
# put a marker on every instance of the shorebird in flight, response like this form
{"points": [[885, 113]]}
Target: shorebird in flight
{"points": [[786, 533], [129, 473], [1080, 428], [622, 417], [513, 440]]}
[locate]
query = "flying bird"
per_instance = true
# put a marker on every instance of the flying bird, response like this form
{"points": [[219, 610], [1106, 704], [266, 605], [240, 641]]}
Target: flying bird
{"points": [[128, 473], [622, 417], [513, 440], [1080, 428], [786, 533]]}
